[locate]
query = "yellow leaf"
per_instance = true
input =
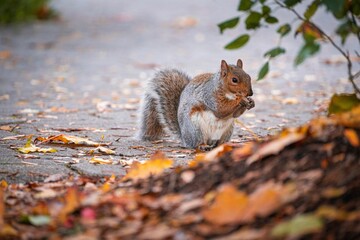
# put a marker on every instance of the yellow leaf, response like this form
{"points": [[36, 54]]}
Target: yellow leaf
{"points": [[100, 160], [30, 148], [352, 137], [144, 170], [3, 184]]}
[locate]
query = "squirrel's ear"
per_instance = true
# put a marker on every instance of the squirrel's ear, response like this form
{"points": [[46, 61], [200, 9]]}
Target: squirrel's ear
{"points": [[224, 68], [239, 63]]}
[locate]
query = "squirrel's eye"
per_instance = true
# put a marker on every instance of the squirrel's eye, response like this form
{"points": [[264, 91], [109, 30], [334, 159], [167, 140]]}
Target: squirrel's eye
{"points": [[235, 80]]}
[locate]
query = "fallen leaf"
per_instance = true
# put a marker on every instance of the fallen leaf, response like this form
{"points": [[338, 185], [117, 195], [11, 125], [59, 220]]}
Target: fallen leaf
{"points": [[5, 54], [152, 167], [333, 192], [298, 226], [4, 97], [352, 137], [68, 139], [332, 213], [61, 110], [244, 233], [232, 206], [7, 128], [229, 207], [14, 137], [290, 101], [101, 149], [159, 231], [98, 160], [39, 220], [30, 148], [275, 146]]}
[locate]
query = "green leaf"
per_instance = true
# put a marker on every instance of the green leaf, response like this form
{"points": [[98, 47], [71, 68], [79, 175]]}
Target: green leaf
{"points": [[343, 102], [307, 50], [231, 23], [284, 29], [337, 8], [274, 52], [291, 3], [245, 5], [265, 10], [253, 20], [310, 11], [298, 226], [238, 42], [345, 28], [263, 71], [36, 220], [271, 20]]}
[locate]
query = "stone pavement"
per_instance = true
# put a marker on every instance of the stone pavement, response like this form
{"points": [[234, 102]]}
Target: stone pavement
{"points": [[84, 74]]}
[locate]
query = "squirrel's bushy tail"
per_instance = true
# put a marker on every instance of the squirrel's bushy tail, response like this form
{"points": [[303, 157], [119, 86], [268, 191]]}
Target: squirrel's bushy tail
{"points": [[160, 104]]}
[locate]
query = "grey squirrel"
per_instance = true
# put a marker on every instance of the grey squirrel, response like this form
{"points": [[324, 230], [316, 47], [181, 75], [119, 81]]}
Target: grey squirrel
{"points": [[200, 111]]}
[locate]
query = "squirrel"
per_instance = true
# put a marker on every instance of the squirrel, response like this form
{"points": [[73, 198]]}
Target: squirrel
{"points": [[200, 111]]}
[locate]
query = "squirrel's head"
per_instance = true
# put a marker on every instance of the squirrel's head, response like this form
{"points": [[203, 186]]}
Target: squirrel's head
{"points": [[236, 80]]}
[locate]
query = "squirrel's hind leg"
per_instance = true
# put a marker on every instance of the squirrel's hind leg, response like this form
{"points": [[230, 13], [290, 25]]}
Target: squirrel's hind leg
{"points": [[150, 125]]}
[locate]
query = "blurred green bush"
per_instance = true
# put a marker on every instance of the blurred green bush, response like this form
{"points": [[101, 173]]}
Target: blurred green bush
{"points": [[16, 11]]}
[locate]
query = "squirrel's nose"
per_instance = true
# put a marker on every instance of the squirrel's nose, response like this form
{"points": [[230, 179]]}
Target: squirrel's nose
{"points": [[251, 92]]}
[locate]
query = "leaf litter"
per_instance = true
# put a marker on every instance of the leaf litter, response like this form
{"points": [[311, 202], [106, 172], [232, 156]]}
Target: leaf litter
{"points": [[305, 187]]}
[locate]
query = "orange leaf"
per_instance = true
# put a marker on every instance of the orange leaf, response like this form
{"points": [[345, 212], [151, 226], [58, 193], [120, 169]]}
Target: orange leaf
{"points": [[352, 137], [68, 139], [72, 202], [152, 167], [308, 29], [230, 206]]}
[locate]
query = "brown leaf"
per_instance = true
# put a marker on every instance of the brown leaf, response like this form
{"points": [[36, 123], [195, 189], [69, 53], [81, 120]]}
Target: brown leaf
{"points": [[275, 146], [159, 231]]}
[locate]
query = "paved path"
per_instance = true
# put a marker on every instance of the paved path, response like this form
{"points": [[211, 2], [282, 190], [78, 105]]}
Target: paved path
{"points": [[88, 71]]}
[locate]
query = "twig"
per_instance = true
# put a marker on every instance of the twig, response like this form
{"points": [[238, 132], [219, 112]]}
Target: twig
{"points": [[237, 121], [346, 55]]}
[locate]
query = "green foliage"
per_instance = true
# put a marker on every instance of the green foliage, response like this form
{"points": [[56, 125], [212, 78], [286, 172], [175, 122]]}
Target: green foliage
{"points": [[238, 42], [253, 20], [231, 23], [263, 71], [284, 29], [15, 11], [298, 226], [261, 13], [343, 102], [274, 52]]}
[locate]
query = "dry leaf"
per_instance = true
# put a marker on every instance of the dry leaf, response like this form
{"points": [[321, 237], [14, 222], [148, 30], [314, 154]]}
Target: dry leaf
{"points": [[275, 146], [7, 128], [68, 139], [352, 136], [101, 149], [232, 206], [229, 207], [98, 160], [151, 167], [30, 148]]}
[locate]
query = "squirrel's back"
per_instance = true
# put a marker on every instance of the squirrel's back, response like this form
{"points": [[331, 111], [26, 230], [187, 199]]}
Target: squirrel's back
{"points": [[161, 101]]}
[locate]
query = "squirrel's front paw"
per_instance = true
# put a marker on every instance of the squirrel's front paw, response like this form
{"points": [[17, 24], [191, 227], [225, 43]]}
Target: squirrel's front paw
{"points": [[250, 104]]}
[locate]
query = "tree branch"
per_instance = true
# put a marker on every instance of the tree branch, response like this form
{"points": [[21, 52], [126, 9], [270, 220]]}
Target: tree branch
{"points": [[346, 55]]}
